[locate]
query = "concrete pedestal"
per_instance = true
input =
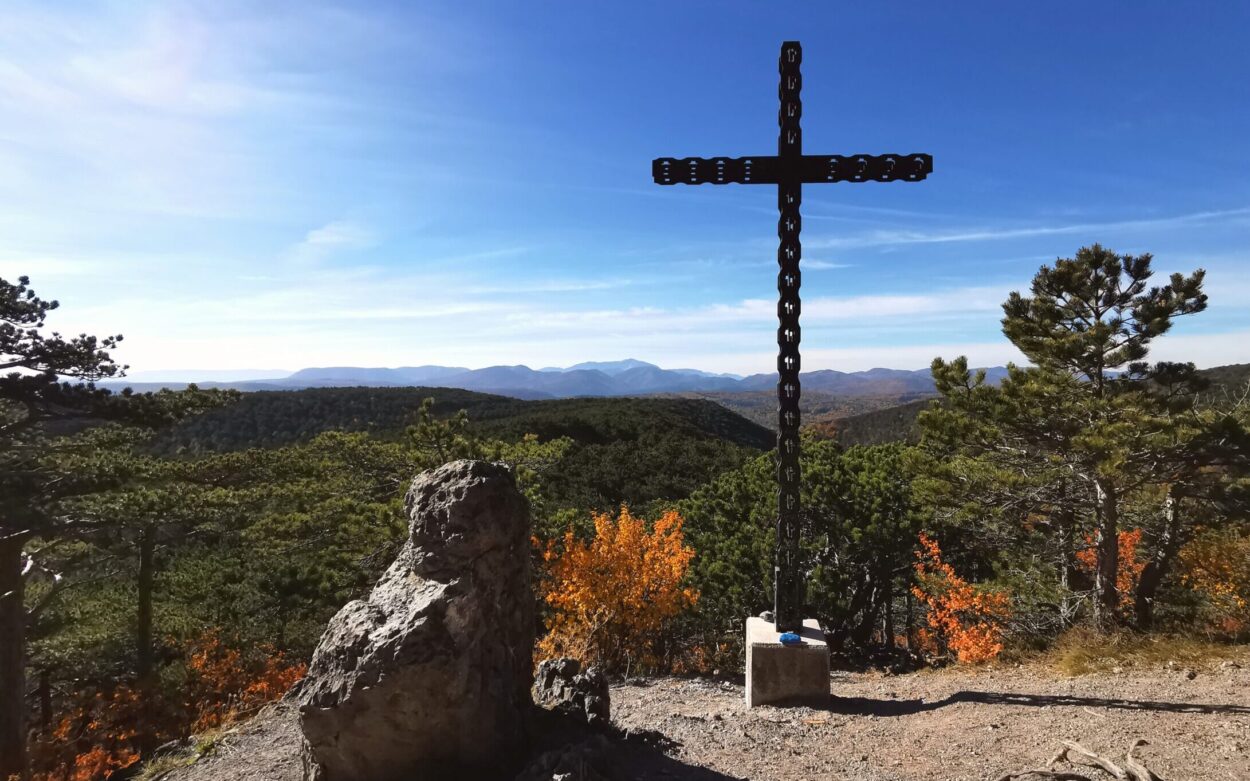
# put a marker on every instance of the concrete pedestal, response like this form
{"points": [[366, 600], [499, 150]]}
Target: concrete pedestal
{"points": [[786, 674]]}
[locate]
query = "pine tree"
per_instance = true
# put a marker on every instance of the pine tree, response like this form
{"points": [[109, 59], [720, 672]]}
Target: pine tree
{"points": [[39, 465], [1089, 406], [860, 531]]}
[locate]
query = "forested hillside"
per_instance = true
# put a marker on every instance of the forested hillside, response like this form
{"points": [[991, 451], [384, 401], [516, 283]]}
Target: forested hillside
{"points": [[817, 407], [1232, 378], [878, 427], [618, 449], [277, 418], [900, 423]]}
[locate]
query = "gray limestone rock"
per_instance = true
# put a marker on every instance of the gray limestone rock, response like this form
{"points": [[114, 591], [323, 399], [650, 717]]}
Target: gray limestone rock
{"points": [[431, 673]]}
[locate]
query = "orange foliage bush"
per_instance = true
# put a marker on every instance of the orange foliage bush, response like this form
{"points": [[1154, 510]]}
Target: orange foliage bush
{"points": [[1216, 564], [94, 739], [962, 618], [611, 596], [221, 687], [1130, 569], [102, 731], [100, 763]]}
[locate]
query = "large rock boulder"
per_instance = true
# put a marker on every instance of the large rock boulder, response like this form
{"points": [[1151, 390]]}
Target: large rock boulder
{"points": [[431, 674]]}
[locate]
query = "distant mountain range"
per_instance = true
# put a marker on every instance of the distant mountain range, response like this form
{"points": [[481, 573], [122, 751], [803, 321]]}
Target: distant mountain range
{"points": [[610, 378]]}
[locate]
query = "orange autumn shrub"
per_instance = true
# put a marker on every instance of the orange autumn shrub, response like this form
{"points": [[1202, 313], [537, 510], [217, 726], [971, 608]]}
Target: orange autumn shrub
{"points": [[966, 620], [104, 731], [96, 763], [1216, 564], [221, 687], [610, 596], [1130, 568], [93, 738]]}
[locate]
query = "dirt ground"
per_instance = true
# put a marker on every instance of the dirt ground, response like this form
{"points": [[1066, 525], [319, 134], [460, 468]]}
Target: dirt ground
{"points": [[952, 725], [946, 725]]}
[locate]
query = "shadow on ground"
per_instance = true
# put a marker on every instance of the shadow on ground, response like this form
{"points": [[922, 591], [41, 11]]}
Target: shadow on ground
{"points": [[610, 754], [643, 763], [864, 706]]}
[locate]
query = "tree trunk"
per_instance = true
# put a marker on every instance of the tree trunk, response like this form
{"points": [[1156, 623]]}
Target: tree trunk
{"points": [[12, 656], [861, 635], [1067, 558], [147, 576], [910, 622], [45, 702], [858, 613], [889, 614], [1107, 542], [1160, 564]]}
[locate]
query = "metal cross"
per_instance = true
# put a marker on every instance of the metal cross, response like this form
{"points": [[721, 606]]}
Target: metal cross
{"points": [[789, 169]]}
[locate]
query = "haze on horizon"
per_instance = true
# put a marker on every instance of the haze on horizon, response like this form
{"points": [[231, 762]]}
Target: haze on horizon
{"points": [[237, 188]]}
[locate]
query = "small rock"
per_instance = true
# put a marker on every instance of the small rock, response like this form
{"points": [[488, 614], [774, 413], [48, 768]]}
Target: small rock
{"points": [[767, 615], [1229, 665], [562, 685], [1190, 675]]}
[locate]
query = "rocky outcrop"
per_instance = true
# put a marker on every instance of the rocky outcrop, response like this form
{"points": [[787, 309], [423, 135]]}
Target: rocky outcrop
{"points": [[561, 685], [430, 675]]}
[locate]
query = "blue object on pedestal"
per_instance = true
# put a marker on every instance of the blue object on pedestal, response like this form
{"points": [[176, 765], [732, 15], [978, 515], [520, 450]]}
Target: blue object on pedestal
{"points": [[790, 638]]}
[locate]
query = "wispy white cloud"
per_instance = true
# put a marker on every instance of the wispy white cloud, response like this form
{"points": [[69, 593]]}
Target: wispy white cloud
{"points": [[334, 237], [882, 238], [823, 265], [968, 302], [547, 286]]}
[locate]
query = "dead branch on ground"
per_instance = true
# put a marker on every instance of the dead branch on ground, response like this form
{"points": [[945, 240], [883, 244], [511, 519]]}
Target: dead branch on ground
{"points": [[1075, 754]]}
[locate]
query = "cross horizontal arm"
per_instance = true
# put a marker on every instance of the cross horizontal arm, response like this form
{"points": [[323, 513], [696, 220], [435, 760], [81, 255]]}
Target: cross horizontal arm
{"points": [[865, 168], [770, 169]]}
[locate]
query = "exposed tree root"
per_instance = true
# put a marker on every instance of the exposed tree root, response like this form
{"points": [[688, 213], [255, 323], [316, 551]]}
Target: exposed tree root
{"points": [[1137, 770], [1043, 775], [1076, 754]]}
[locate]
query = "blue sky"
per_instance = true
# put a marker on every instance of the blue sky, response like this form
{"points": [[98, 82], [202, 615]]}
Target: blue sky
{"points": [[275, 185]]}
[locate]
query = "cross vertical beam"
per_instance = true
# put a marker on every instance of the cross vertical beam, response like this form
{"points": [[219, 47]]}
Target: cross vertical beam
{"points": [[788, 591], [789, 169]]}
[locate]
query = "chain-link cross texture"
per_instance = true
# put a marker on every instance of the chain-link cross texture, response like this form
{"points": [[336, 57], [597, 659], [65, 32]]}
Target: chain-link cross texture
{"points": [[789, 169]]}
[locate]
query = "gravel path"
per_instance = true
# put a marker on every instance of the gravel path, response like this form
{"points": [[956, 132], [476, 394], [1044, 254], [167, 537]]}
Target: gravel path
{"points": [[948, 725], [954, 725]]}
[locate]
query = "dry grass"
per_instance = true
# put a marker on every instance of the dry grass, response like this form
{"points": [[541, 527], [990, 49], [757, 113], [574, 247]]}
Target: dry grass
{"points": [[1083, 651], [160, 766], [157, 768]]}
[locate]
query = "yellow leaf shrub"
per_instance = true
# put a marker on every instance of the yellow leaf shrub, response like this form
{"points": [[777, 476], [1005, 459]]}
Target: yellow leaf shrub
{"points": [[611, 596], [1216, 564]]}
